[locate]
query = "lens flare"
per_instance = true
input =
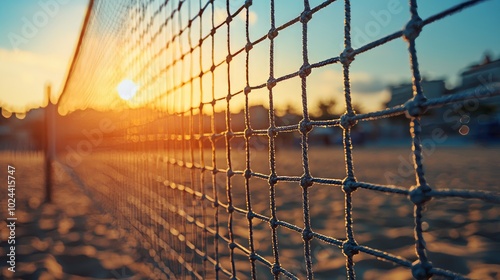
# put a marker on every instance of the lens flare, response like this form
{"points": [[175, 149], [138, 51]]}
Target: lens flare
{"points": [[127, 89]]}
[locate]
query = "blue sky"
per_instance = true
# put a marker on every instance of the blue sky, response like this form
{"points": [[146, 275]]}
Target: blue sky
{"points": [[444, 48]]}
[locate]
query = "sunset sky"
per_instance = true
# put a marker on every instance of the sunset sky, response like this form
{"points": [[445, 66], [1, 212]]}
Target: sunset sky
{"points": [[29, 58]]}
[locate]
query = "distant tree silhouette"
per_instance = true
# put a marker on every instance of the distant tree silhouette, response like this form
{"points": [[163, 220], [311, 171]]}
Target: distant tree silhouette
{"points": [[291, 110], [326, 109]]}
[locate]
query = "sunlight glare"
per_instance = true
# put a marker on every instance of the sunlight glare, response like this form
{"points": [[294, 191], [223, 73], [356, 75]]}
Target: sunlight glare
{"points": [[127, 89]]}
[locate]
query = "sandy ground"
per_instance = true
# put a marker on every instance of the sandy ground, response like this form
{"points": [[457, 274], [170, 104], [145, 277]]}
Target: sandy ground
{"points": [[72, 238], [67, 239]]}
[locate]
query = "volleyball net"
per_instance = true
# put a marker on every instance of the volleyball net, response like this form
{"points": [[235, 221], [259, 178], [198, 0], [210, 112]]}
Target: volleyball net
{"points": [[156, 86]]}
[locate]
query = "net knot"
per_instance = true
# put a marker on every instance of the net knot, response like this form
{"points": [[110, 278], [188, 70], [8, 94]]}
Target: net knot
{"points": [[272, 33], [247, 174], [230, 173], [252, 256], [271, 132], [250, 215], [215, 204], [306, 181], [229, 57], [232, 245], [305, 126], [347, 56], [217, 267], [273, 223], [418, 195], [201, 74], [307, 234], [349, 185], [415, 107], [248, 3], [213, 31], [276, 269], [413, 28], [248, 133], [305, 16], [347, 120], [421, 271], [305, 70], [228, 20], [248, 46], [273, 179], [212, 68], [271, 82], [228, 97], [247, 89], [214, 171], [350, 248]]}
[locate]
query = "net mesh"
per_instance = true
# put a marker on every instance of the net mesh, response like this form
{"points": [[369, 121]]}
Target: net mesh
{"points": [[168, 160]]}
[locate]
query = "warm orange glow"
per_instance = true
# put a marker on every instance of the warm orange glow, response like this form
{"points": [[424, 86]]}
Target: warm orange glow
{"points": [[6, 114]]}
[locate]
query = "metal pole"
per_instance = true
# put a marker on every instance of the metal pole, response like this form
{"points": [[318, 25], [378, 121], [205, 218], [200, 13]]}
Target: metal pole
{"points": [[49, 146]]}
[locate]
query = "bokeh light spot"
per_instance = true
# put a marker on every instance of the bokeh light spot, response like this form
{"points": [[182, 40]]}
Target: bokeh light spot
{"points": [[464, 130]]}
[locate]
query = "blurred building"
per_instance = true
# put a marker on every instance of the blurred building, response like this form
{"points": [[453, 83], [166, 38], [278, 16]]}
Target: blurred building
{"points": [[477, 119], [481, 74], [403, 92], [398, 127], [483, 115]]}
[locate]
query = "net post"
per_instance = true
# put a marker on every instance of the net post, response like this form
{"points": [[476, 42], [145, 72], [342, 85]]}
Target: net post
{"points": [[49, 141]]}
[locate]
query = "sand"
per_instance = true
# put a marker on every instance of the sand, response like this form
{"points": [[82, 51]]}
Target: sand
{"points": [[67, 239], [89, 232]]}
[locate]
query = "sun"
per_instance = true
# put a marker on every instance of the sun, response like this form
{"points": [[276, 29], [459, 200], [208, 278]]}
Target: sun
{"points": [[127, 89]]}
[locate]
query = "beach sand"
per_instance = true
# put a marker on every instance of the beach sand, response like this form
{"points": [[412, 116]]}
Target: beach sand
{"points": [[121, 226], [69, 238]]}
